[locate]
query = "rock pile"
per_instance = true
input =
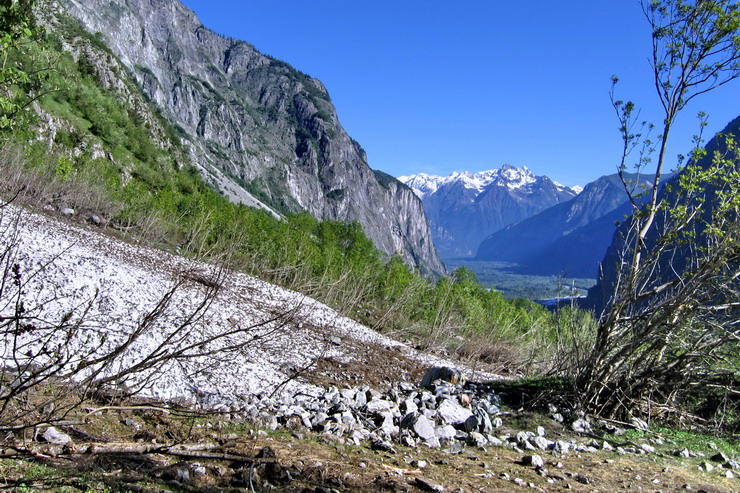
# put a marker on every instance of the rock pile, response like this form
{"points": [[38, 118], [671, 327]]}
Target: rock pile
{"points": [[444, 413]]}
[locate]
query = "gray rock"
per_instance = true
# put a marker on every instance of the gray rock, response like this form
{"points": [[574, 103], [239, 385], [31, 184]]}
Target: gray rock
{"points": [[562, 447], [581, 425], [56, 437], [533, 460], [423, 427], [471, 424], [492, 440], [95, 219], [446, 432], [427, 485], [377, 443], [433, 442], [647, 448], [67, 211], [477, 439], [541, 442], [522, 437], [451, 412], [442, 373], [408, 406], [639, 424], [682, 453], [719, 457]]}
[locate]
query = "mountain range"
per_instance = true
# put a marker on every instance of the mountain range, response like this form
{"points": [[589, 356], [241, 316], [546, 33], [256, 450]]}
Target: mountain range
{"points": [[569, 238], [261, 132], [464, 208]]}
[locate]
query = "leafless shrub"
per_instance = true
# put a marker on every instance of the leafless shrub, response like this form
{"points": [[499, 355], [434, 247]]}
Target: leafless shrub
{"points": [[82, 354]]}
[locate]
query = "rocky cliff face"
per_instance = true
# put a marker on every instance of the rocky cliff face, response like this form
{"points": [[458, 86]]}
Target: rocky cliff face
{"points": [[464, 208], [261, 131]]}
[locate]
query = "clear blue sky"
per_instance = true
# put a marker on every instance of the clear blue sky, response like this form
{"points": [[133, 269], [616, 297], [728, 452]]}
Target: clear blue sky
{"points": [[438, 86]]}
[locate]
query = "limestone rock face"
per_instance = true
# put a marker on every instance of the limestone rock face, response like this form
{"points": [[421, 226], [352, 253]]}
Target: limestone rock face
{"points": [[255, 126]]}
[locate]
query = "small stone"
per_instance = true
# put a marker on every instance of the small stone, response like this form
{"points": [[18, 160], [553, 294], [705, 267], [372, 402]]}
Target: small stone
{"points": [[427, 485], [706, 466], [730, 475], [582, 479], [540, 431], [418, 463], [446, 432], [337, 341], [132, 423], [682, 453], [581, 426], [562, 447], [533, 460], [56, 437], [720, 457], [647, 448], [380, 444], [67, 211], [541, 442], [95, 219], [639, 424]]}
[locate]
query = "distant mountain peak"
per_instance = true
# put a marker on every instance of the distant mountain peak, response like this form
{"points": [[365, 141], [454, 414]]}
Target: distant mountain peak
{"points": [[509, 176], [465, 207]]}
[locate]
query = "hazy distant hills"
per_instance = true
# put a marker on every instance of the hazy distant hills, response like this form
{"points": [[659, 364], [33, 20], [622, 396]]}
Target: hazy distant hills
{"points": [[464, 208], [569, 238]]}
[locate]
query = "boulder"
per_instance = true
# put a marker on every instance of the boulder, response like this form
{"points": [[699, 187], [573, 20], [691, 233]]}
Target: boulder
{"points": [[442, 373], [450, 412]]}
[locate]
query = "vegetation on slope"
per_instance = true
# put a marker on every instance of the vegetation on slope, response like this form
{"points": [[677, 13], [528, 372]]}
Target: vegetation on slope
{"points": [[103, 152], [100, 149]]}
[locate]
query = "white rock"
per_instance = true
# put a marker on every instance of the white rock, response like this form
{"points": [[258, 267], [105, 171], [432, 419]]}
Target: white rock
{"points": [[56, 437], [451, 412]]}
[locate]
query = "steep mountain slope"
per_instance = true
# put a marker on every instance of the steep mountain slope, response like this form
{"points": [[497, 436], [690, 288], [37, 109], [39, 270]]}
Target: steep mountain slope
{"points": [[254, 125], [674, 260], [568, 238], [464, 208]]}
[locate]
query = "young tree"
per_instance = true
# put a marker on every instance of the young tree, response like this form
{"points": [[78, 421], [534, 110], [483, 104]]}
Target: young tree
{"points": [[673, 314], [16, 24]]}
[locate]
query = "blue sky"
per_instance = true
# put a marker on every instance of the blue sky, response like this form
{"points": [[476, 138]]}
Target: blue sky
{"points": [[439, 86]]}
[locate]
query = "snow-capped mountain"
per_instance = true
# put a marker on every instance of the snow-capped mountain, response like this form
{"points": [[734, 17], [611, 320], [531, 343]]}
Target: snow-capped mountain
{"points": [[507, 176], [464, 207]]}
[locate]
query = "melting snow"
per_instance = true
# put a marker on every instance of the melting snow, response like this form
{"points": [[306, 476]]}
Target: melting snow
{"points": [[247, 340]]}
